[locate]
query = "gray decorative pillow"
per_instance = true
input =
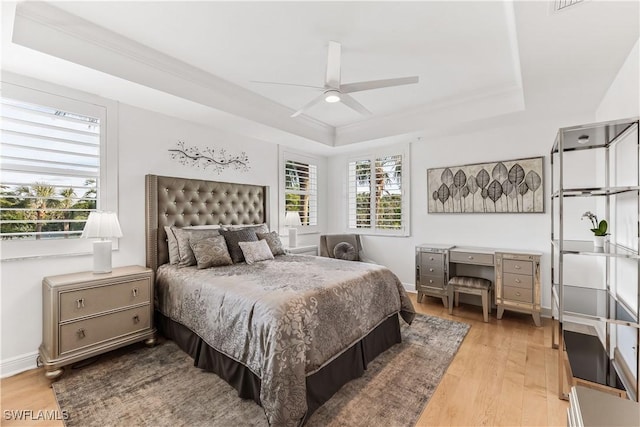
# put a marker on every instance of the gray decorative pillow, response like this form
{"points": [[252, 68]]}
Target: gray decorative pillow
{"points": [[183, 236], [274, 242], [172, 243], [255, 251], [211, 252], [346, 251], [257, 228], [233, 237]]}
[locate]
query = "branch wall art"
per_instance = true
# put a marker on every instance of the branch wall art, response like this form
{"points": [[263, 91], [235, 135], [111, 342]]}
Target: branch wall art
{"points": [[217, 159], [513, 186]]}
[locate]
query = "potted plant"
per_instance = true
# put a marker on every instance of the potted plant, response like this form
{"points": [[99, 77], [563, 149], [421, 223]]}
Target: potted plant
{"points": [[599, 229]]}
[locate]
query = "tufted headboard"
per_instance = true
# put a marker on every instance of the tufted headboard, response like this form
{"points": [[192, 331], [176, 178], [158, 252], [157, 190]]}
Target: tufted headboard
{"points": [[184, 202]]}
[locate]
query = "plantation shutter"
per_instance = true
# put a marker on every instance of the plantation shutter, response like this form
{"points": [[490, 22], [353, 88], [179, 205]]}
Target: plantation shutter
{"points": [[376, 195], [301, 190], [50, 164]]}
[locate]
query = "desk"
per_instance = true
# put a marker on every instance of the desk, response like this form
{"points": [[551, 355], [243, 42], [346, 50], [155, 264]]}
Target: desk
{"points": [[515, 274]]}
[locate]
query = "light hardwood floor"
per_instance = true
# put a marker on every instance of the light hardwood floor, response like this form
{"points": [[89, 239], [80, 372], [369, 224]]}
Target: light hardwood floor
{"points": [[505, 374]]}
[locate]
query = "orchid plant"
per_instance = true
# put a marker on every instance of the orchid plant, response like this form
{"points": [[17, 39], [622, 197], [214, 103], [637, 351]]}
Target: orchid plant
{"points": [[599, 228]]}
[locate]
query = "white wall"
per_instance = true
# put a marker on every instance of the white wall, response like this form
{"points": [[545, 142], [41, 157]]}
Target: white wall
{"points": [[622, 99], [144, 138], [509, 231]]}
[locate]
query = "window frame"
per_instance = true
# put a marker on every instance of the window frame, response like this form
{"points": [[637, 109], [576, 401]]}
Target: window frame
{"points": [[285, 156], [42, 93], [404, 152]]}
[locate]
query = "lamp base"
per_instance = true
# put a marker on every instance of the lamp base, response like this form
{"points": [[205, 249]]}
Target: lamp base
{"points": [[102, 257], [293, 237]]}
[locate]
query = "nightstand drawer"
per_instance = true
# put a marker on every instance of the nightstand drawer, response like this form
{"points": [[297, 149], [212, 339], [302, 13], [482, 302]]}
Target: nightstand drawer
{"points": [[432, 270], [518, 280], [511, 293], [471, 258], [518, 267], [85, 302], [76, 335]]}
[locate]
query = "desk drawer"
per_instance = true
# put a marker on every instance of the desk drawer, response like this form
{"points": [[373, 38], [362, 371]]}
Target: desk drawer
{"points": [[511, 293], [517, 266], [471, 258], [432, 259], [96, 300], [518, 280], [432, 281], [83, 333]]}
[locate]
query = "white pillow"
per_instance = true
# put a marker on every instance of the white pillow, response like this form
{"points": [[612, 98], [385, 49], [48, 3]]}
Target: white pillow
{"points": [[255, 251], [172, 243]]}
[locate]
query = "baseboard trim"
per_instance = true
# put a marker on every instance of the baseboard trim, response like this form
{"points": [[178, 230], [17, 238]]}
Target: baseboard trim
{"points": [[17, 364]]}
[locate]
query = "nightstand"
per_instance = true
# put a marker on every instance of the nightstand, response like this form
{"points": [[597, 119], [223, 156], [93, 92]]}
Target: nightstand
{"points": [[86, 314], [303, 250]]}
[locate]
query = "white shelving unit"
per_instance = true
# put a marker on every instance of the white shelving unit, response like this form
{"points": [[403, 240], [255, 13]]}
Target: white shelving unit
{"points": [[595, 295]]}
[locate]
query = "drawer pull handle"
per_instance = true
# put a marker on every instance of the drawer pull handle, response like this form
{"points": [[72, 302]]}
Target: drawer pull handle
{"points": [[430, 281], [517, 267], [134, 291], [431, 269], [136, 319], [517, 280], [470, 257], [80, 302], [431, 258], [517, 294], [81, 333]]}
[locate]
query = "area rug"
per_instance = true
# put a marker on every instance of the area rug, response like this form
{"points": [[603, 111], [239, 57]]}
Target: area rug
{"points": [[159, 386]]}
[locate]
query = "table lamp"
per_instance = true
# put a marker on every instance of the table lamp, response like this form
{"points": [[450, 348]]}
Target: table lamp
{"points": [[292, 220], [104, 226]]}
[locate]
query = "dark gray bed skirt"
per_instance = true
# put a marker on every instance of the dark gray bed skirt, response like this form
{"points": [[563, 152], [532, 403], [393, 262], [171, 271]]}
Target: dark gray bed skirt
{"points": [[320, 385]]}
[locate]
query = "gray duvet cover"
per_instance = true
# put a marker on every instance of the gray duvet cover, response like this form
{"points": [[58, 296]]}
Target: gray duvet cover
{"points": [[284, 318]]}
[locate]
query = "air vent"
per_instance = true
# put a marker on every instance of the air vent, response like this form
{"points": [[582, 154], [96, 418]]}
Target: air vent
{"points": [[559, 5]]}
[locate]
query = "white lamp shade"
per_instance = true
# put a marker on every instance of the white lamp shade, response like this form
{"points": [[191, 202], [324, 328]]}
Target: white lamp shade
{"points": [[292, 219], [102, 225]]}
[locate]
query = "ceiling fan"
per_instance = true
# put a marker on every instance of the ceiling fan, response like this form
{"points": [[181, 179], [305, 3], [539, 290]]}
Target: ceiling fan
{"points": [[335, 91]]}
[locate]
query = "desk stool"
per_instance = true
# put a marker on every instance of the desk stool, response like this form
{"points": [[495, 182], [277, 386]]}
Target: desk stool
{"points": [[473, 286]]}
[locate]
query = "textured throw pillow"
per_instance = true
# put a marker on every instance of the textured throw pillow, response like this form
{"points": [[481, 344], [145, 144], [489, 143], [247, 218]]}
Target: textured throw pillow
{"points": [[233, 237], [346, 251], [255, 251], [211, 252], [257, 228], [183, 236], [274, 242], [172, 243]]}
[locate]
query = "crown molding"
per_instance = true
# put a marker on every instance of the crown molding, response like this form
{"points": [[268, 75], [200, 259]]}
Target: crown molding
{"points": [[45, 28]]}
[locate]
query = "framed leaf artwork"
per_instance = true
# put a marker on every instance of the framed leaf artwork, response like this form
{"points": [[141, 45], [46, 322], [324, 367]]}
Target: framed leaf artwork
{"points": [[511, 186]]}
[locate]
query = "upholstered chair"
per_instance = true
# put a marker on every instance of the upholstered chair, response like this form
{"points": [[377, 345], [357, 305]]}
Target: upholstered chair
{"points": [[342, 246]]}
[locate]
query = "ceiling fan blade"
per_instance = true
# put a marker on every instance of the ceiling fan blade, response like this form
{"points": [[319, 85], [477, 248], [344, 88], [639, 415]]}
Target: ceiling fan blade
{"points": [[353, 104], [377, 84], [333, 65], [286, 84], [313, 102]]}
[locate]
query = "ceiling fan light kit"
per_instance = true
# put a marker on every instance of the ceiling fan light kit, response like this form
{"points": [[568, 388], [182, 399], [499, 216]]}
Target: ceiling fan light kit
{"points": [[334, 91]]}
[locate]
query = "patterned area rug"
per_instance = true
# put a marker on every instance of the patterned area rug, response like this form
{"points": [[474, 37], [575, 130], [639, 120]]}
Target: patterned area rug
{"points": [[159, 386]]}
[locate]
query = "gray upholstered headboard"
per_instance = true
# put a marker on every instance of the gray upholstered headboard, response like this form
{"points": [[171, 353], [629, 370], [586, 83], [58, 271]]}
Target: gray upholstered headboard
{"points": [[183, 202]]}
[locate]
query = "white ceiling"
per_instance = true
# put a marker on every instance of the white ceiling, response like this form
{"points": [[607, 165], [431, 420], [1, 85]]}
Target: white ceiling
{"points": [[476, 60]]}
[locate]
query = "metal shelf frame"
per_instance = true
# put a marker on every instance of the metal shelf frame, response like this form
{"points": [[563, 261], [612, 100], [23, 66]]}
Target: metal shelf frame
{"points": [[577, 302]]}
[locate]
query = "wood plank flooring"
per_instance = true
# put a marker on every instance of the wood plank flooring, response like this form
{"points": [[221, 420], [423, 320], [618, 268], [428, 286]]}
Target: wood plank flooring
{"points": [[505, 374]]}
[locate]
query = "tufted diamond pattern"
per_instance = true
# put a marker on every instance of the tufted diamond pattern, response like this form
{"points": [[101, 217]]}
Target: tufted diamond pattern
{"points": [[183, 202]]}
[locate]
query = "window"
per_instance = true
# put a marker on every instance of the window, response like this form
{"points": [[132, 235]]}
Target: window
{"points": [[378, 189], [53, 161], [50, 169], [300, 189]]}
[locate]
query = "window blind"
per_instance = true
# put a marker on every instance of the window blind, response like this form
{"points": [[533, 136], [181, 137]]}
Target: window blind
{"points": [[301, 190], [50, 161], [376, 193]]}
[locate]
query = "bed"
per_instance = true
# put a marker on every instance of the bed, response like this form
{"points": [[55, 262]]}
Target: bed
{"points": [[287, 332]]}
